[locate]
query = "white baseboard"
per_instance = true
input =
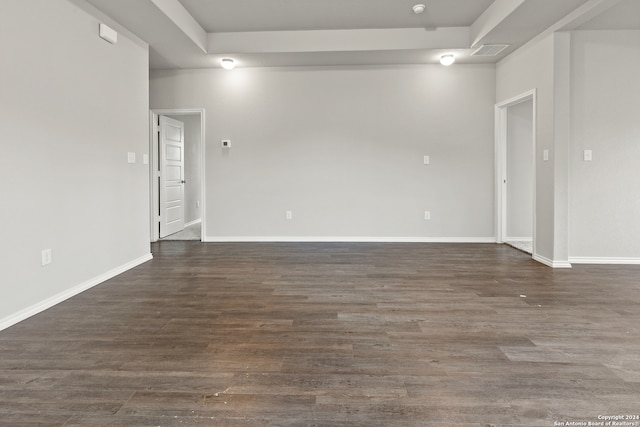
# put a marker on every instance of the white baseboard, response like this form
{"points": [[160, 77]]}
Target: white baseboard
{"points": [[347, 239], [551, 263], [194, 222], [62, 296], [517, 239], [601, 260]]}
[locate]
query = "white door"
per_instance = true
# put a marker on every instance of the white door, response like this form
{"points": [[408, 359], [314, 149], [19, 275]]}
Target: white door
{"points": [[171, 176]]}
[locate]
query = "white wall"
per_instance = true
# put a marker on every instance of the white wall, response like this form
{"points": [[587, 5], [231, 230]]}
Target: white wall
{"points": [[532, 67], [605, 105], [342, 148], [71, 108], [520, 171], [192, 169], [586, 211]]}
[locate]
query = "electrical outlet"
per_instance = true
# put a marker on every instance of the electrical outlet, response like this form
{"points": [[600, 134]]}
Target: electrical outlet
{"points": [[289, 215], [46, 257], [226, 143], [427, 215], [198, 204]]}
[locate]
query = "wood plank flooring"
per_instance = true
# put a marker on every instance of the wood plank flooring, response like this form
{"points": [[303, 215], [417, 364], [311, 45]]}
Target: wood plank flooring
{"points": [[358, 334]]}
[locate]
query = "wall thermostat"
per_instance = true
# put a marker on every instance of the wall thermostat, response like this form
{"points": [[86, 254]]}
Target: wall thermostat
{"points": [[109, 34]]}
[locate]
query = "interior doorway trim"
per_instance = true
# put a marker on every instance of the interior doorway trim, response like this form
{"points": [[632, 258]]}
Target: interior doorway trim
{"points": [[501, 123], [154, 201]]}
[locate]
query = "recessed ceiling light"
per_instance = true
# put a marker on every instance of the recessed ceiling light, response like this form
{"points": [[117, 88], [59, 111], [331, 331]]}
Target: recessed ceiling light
{"points": [[228, 63], [418, 9], [447, 59]]}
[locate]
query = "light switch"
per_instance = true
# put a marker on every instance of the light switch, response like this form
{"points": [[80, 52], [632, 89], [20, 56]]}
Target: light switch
{"points": [[46, 257], [145, 159], [588, 155], [545, 155], [226, 143], [131, 157], [426, 160]]}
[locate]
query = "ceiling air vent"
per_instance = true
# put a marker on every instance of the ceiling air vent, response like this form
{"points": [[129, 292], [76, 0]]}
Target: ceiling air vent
{"points": [[489, 49]]}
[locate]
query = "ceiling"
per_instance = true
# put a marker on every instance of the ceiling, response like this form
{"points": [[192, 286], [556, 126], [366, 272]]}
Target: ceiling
{"points": [[267, 33], [299, 15], [624, 16]]}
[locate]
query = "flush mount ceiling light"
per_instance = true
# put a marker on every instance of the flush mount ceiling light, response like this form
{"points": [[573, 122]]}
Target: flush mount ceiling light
{"points": [[418, 9], [447, 59], [228, 63]]}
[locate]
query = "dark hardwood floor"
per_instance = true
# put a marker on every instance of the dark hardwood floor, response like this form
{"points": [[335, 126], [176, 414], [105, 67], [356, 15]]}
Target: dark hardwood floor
{"points": [[331, 335]]}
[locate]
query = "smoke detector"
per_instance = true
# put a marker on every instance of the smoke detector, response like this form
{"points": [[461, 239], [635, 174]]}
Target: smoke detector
{"points": [[418, 9]]}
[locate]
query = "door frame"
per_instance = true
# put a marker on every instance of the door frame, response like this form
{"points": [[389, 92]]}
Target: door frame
{"points": [[154, 198], [501, 140]]}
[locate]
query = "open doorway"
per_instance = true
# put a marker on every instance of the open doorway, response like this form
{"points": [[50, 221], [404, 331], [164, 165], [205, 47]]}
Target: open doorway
{"points": [[177, 175], [515, 172]]}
